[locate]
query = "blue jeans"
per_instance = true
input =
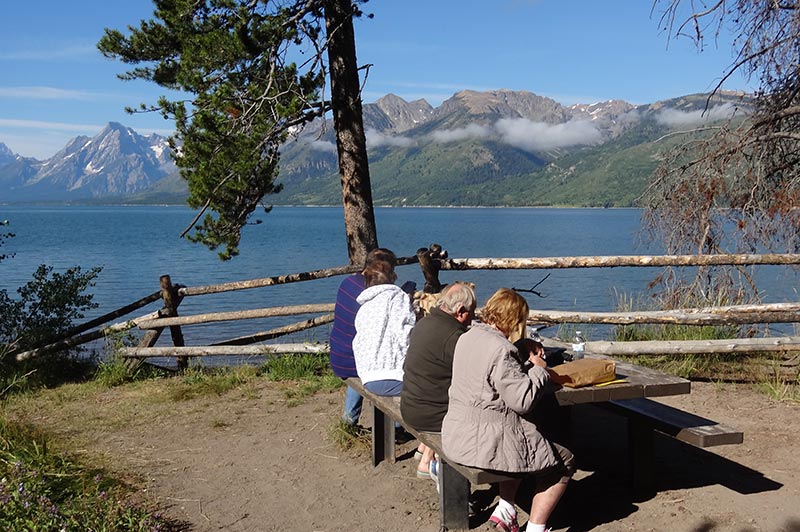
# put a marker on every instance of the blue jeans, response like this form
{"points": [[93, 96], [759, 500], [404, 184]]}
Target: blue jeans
{"points": [[387, 388], [352, 406]]}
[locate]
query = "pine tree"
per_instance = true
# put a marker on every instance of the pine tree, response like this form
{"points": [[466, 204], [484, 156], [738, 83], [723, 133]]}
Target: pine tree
{"points": [[255, 71]]}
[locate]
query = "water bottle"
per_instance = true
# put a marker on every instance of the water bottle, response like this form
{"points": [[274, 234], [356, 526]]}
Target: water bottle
{"points": [[578, 346]]}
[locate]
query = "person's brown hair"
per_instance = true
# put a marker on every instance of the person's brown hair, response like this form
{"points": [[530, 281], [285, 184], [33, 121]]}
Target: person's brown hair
{"points": [[380, 254], [508, 311], [379, 272]]}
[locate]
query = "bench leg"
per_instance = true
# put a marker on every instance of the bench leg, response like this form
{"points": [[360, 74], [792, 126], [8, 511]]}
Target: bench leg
{"points": [[642, 457], [453, 499], [382, 437]]}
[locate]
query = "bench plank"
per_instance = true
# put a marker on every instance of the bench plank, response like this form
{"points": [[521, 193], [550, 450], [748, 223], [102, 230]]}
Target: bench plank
{"points": [[681, 425], [645, 417]]}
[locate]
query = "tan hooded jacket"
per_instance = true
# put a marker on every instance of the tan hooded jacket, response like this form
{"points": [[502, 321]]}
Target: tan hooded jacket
{"points": [[489, 395]]}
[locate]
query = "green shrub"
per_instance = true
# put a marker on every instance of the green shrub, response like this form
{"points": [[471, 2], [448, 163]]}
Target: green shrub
{"points": [[45, 308], [44, 490]]}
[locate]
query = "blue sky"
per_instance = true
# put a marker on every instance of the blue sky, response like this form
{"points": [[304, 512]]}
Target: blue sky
{"points": [[56, 86]]}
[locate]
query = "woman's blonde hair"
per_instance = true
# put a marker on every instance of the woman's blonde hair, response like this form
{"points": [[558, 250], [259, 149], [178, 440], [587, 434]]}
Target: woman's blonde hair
{"points": [[508, 311]]}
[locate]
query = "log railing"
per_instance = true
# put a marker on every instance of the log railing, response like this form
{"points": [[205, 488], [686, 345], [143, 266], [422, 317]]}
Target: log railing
{"points": [[432, 260]]}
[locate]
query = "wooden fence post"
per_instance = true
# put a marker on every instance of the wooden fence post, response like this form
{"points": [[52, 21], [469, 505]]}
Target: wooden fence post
{"points": [[169, 294], [429, 262]]}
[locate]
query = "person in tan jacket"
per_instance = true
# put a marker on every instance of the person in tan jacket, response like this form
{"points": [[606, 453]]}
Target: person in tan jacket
{"points": [[486, 425]]}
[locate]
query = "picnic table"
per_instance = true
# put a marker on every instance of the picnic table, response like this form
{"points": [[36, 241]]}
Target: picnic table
{"points": [[630, 395], [636, 382]]}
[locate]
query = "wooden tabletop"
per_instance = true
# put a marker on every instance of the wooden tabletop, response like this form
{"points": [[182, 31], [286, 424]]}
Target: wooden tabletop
{"points": [[641, 382]]}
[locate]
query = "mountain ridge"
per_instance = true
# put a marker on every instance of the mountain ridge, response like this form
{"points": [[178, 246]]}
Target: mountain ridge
{"points": [[478, 148]]}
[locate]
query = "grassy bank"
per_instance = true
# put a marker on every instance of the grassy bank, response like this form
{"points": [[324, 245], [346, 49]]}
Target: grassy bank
{"points": [[48, 485]]}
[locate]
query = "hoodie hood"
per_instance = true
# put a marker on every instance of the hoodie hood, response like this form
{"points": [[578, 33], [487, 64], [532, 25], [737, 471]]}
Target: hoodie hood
{"points": [[380, 291]]}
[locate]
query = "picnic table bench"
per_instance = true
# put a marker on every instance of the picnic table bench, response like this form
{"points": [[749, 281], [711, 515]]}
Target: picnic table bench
{"points": [[454, 479], [645, 417], [629, 398]]}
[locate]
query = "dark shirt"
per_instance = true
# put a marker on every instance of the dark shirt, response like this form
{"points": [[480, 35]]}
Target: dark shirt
{"points": [[344, 316], [428, 370]]}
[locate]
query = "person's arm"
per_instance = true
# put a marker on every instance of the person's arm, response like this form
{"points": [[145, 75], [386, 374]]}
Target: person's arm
{"points": [[519, 390]]}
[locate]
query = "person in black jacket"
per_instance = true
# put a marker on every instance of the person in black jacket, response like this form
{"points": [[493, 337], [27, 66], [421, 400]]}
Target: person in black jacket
{"points": [[428, 366]]}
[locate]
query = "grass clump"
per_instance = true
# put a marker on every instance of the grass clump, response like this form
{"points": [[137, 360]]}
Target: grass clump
{"points": [[779, 389], [350, 437], [736, 367], [44, 490], [303, 375], [114, 370], [664, 332], [198, 381]]}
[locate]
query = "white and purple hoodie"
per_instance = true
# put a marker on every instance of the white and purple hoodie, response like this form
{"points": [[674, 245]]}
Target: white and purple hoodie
{"points": [[383, 325]]}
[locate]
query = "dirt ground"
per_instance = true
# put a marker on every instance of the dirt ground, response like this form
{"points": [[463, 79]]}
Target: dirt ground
{"points": [[247, 461]]}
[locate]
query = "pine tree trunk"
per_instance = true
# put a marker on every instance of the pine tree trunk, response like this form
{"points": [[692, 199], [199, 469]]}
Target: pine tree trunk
{"points": [[351, 142]]}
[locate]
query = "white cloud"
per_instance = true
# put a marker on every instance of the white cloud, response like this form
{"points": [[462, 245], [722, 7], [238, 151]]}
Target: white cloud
{"points": [[58, 126], [674, 117], [526, 134], [472, 131], [52, 53], [323, 146], [538, 136], [375, 139], [45, 93]]}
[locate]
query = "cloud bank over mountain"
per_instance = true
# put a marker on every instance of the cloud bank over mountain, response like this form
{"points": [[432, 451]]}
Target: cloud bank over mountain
{"points": [[678, 118]]}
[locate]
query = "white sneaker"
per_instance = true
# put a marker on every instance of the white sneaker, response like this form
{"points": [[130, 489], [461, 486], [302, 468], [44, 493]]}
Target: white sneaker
{"points": [[504, 520], [433, 469]]}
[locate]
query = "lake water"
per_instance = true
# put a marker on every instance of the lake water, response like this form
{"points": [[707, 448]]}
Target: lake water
{"points": [[136, 245]]}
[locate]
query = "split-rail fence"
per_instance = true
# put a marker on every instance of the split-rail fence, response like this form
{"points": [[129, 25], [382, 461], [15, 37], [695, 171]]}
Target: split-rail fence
{"points": [[432, 260]]}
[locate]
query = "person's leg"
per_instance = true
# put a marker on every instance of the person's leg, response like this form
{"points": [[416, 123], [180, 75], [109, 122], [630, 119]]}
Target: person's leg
{"points": [[508, 490], [352, 406], [425, 461], [504, 516], [544, 502], [387, 388], [550, 487]]}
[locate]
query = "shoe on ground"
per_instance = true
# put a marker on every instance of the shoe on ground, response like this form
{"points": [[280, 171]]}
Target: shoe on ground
{"points": [[402, 436], [504, 521], [433, 469]]}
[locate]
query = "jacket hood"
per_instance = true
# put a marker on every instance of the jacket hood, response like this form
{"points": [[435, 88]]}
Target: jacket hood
{"points": [[377, 292]]}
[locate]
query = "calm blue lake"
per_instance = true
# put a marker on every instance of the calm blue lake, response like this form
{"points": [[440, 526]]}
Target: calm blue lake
{"points": [[136, 245]]}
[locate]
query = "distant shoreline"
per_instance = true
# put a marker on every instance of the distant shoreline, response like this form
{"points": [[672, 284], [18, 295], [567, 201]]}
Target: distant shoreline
{"points": [[294, 206]]}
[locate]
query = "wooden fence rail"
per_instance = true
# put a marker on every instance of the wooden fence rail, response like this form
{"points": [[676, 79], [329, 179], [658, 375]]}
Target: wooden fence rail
{"points": [[222, 350], [695, 347], [727, 315], [236, 315], [435, 260], [617, 261]]}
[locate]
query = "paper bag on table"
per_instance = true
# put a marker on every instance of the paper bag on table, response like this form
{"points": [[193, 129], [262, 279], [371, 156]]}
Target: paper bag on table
{"points": [[584, 372]]}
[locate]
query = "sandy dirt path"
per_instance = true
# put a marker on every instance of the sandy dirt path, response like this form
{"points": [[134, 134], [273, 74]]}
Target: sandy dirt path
{"points": [[246, 461]]}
